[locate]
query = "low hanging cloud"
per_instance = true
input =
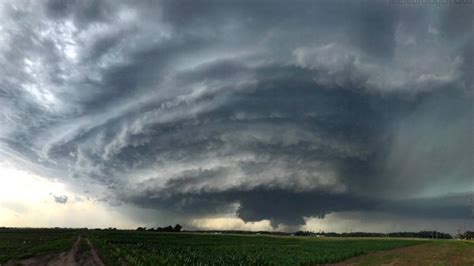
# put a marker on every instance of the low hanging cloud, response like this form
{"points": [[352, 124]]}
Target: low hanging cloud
{"points": [[62, 199], [272, 111]]}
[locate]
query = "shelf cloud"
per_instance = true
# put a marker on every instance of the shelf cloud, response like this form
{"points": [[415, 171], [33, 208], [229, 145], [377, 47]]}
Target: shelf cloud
{"points": [[269, 110]]}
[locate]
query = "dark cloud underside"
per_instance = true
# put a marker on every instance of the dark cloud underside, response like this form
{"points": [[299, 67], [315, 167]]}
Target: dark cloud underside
{"points": [[284, 110]]}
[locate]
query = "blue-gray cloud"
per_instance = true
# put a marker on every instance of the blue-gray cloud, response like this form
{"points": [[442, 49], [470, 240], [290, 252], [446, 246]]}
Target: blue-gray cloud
{"points": [[60, 198], [288, 110]]}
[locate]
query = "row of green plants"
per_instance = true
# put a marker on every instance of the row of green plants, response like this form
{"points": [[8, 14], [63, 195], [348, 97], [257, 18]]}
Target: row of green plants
{"points": [[137, 248], [17, 244]]}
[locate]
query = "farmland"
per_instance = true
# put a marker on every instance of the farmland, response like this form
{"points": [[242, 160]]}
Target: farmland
{"points": [[185, 249], [116, 247], [431, 253], [24, 243], [121, 247]]}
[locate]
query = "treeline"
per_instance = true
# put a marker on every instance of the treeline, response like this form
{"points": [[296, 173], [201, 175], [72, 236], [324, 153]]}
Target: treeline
{"points": [[241, 232], [421, 234], [467, 235], [169, 228]]}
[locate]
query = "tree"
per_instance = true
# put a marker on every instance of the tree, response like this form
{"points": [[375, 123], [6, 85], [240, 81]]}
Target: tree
{"points": [[177, 228]]}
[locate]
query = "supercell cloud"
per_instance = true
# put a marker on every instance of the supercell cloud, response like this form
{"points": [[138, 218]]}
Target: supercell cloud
{"points": [[269, 110]]}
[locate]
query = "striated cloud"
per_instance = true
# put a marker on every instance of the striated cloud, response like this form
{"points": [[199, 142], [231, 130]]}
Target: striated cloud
{"points": [[270, 110]]}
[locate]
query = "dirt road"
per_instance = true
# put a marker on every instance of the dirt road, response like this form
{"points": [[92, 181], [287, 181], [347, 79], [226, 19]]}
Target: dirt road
{"points": [[81, 254]]}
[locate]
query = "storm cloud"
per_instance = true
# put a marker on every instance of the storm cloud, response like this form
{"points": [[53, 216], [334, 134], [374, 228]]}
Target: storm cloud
{"points": [[62, 199], [268, 109]]}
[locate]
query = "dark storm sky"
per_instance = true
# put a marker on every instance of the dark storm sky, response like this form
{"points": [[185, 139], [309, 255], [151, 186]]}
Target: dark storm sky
{"points": [[277, 110]]}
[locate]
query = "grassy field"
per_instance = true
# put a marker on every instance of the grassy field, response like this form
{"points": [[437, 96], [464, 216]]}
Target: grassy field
{"points": [[151, 248], [432, 253], [186, 249], [23, 243]]}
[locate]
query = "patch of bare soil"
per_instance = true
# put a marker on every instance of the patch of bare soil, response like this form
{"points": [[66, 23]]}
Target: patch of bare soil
{"points": [[438, 253], [77, 256], [94, 255]]}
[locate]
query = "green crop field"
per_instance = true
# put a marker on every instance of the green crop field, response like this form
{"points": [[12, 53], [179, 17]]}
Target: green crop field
{"points": [[121, 247], [24, 243], [206, 249]]}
